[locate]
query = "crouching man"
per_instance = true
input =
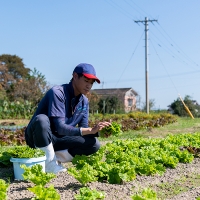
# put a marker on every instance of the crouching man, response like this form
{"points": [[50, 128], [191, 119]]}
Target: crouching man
{"points": [[60, 124]]}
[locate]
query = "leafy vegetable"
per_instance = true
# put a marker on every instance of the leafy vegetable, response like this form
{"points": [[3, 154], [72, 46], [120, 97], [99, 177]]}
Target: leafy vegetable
{"points": [[9, 137], [36, 175], [85, 175], [25, 152], [19, 152], [5, 159], [146, 194], [88, 194], [3, 189], [121, 160], [114, 129], [40, 178], [44, 193]]}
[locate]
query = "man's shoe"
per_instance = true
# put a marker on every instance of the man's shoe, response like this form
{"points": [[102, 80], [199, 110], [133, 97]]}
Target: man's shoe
{"points": [[63, 156], [51, 164]]}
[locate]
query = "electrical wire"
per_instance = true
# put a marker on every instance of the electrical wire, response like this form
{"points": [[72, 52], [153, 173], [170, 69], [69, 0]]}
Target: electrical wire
{"points": [[173, 46], [165, 68], [130, 59], [124, 12], [171, 53], [179, 48], [131, 2], [157, 77], [140, 11], [132, 6], [176, 49]]}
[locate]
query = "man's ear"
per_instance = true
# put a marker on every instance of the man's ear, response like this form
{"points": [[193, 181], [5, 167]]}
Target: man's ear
{"points": [[75, 76]]}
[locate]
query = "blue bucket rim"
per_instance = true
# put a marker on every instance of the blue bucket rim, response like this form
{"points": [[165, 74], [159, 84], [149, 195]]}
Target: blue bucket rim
{"points": [[28, 160]]}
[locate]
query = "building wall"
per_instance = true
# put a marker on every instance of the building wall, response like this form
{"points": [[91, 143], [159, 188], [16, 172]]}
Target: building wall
{"points": [[129, 101], [126, 96]]}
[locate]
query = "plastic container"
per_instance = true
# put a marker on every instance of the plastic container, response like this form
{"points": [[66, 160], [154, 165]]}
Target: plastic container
{"points": [[29, 162]]}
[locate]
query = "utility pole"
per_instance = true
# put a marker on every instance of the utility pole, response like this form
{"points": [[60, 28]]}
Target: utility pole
{"points": [[145, 22]]}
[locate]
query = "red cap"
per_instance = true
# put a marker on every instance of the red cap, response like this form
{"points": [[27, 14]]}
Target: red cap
{"points": [[87, 70]]}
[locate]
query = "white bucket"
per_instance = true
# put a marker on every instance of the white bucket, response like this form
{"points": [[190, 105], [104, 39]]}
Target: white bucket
{"points": [[29, 162]]}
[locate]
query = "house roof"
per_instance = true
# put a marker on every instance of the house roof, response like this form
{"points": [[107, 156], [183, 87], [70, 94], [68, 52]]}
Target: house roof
{"points": [[113, 91]]}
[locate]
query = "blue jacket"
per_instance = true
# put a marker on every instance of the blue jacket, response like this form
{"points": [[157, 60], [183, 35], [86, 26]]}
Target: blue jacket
{"points": [[66, 112]]}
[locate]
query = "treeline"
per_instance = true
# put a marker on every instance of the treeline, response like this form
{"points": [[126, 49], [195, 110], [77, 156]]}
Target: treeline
{"points": [[16, 109], [178, 108], [21, 89], [18, 83]]}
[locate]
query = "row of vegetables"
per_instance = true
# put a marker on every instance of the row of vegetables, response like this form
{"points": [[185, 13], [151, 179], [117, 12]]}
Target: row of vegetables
{"points": [[39, 178], [120, 124], [118, 162], [115, 163], [85, 193]]}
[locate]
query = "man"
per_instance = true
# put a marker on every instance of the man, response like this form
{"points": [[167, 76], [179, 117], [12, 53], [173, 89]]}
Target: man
{"points": [[60, 124]]}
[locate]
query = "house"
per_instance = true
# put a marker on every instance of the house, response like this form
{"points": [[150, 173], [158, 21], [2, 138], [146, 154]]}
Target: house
{"points": [[127, 96]]}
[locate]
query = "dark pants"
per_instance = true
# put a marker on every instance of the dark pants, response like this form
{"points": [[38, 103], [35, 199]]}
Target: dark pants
{"points": [[39, 134]]}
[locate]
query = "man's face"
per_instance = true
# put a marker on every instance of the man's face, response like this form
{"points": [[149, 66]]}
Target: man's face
{"points": [[82, 85]]}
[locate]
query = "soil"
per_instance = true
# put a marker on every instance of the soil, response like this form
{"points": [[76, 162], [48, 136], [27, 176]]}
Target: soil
{"points": [[183, 183]]}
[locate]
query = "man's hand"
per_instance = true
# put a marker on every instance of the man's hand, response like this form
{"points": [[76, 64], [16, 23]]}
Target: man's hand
{"points": [[95, 129], [100, 126]]}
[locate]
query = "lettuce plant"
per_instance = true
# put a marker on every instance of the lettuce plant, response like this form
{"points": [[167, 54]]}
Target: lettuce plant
{"points": [[88, 194], [40, 178], [3, 189]]}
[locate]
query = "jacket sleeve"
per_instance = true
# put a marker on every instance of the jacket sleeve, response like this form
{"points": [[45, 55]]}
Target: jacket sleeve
{"points": [[84, 121], [63, 129]]}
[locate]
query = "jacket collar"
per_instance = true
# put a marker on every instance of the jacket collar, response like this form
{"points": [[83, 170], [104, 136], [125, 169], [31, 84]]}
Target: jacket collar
{"points": [[71, 90], [71, 94]]}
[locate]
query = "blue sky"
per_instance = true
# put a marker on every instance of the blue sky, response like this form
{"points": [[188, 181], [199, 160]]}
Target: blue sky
{"points": [[55, 36]]}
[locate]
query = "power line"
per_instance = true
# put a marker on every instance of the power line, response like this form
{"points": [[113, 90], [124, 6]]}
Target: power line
{"points": [[174, 55], [179, 47], [129, 59], [156, 77], [165, 68], [140, 10], [112, 3], [132, 6]]}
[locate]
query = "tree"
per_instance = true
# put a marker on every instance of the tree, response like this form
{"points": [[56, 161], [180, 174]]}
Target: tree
{"points": [[151, 104], [112, 105], [31, 88], [12, 70], [20, 83], [5, 77], [15, 66], [179, 109]]}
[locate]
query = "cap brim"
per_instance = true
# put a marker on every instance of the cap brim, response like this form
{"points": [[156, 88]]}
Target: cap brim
{"points": [[91, 76]]}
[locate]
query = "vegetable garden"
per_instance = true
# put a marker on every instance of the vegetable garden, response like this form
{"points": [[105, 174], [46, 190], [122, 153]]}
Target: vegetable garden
{"points": [[120, 162]]}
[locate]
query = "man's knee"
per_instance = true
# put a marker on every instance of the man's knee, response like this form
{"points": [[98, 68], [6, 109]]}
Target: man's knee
{"points": [[42, 121], [41, 131], [37, 130], [97, 145]]}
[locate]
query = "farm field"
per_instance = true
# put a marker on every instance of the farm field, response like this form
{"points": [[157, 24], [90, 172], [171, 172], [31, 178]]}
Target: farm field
{"points": [[182, 182]]}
